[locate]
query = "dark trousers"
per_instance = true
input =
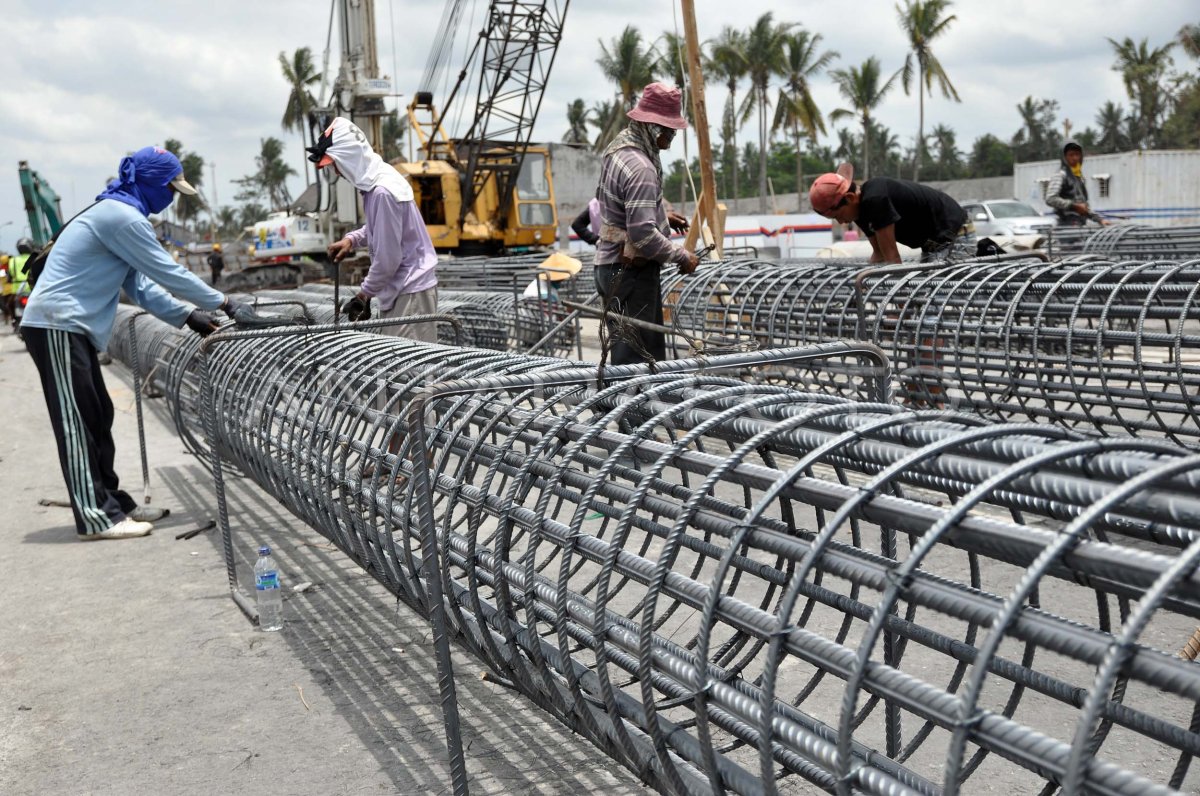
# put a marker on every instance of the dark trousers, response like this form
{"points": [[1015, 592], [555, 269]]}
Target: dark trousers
{"points": [[216, 276], [636, 292], [81, 414]]}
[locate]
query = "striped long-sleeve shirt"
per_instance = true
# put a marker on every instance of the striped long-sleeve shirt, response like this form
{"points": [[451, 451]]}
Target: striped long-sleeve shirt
{"points": [[631, 199]]}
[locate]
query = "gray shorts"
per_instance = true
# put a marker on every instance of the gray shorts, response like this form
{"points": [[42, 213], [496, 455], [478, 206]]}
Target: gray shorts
{"points": [[408, 304]]}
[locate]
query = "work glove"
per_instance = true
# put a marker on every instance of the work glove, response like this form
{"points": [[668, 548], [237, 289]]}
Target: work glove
{"points": [[357, 310], [244, 315], [202, 323]]}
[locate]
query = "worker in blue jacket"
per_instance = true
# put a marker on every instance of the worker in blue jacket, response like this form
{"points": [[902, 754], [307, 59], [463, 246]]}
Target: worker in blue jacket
{"points": [[107, 248]]}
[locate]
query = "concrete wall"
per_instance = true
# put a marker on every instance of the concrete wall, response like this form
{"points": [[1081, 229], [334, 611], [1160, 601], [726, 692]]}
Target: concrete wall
{"points": [[576, 173]]}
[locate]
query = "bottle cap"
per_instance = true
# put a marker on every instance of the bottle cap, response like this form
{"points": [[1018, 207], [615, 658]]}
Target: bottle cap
{"points": [[264, 551]]}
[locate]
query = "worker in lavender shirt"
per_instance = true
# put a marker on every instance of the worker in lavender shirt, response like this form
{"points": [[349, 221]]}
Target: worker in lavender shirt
{"points": [[402, 275]]}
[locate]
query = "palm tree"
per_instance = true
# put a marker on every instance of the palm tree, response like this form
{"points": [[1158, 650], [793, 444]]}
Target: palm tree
{"points": [[923, 21], [300, 73], [391, 135], [270, 181], [765, 56], [949, 159], [726, 61], [577, 119], [631, 66], [628, 64], [1189, 39], [1111, 121], [227, 221], [864, 91], [797, 110], [606, 117], [1143, 71]]}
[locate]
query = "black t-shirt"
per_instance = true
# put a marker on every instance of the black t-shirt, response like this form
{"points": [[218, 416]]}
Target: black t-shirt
{"points": [[919, 214]]}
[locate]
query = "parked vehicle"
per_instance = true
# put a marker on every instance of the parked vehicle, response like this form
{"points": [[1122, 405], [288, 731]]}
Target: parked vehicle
{"points": [[1006, 217]]}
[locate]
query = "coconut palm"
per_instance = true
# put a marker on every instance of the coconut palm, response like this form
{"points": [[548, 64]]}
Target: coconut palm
{"points": [[923, 21], [726, 61], [577, 122], [629, 64], [765, 57], [1112, 123], [606, 117], [864, 89], [300, 73], [1189, 39], [1143, 70], [949, 159], [796, 109]]}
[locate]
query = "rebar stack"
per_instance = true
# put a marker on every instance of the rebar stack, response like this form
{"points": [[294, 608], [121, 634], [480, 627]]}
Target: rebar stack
{"points": [[739, 587], [1107, 347], [1127, 241]]}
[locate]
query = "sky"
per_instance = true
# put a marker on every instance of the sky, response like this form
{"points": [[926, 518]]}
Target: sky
{"points": [[87, 81]]}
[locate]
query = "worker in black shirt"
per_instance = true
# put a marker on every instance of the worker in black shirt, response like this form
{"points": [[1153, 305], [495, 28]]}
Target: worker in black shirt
{"points": [[586, 225], [896, 211]]}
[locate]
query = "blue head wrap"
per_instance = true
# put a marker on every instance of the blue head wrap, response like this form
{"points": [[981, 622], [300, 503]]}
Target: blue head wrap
{"points": [[142, 180]]}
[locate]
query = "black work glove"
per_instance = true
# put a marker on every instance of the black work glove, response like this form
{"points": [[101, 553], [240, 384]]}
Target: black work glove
{"points": [[202, 323], [244, 315], [357, 310]]}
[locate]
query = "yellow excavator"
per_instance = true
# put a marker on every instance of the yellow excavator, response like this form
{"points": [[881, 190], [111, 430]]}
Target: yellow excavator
{"points": [[486, 212]]}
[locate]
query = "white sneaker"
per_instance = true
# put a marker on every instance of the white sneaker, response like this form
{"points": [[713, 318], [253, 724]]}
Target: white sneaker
{"points": [[125, 529]]}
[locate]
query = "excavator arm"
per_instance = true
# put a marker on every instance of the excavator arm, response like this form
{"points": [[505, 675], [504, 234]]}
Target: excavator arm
{"points": [[42, 205]]}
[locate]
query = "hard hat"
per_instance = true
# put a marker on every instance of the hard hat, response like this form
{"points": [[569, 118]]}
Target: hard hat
{"points": [[559, 266], [216, 247], [25, 246]]}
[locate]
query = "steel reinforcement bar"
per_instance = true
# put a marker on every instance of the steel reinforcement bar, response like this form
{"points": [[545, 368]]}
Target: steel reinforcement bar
{"points": [[1130, 241], [730, 586], [1108, 347]]}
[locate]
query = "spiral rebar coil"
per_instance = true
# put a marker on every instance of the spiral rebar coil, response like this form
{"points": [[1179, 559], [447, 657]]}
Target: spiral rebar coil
{"points": [[1108, 347], [481, 327], [1133, 241], [740, 587], [502, 274]]}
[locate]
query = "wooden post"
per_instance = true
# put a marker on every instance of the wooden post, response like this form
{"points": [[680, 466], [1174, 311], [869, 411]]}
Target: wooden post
{"points": [[706, 214]]}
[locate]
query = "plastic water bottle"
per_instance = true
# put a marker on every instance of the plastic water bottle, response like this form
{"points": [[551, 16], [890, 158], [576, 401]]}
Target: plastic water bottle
{"points": [[266, 589]]}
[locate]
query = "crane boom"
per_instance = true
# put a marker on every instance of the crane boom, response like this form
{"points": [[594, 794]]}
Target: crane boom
{"points": [[519, 43]]}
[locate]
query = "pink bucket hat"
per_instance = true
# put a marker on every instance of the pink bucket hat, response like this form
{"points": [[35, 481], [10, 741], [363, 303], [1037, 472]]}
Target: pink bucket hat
{"points": [[660, 104], [828, 189]]}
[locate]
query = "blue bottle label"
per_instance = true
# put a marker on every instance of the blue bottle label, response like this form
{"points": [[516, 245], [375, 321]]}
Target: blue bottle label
{"points": [[267, 580]]}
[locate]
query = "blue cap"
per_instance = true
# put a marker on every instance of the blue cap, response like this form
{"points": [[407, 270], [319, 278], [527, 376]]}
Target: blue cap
{"points": [[264, 551]]}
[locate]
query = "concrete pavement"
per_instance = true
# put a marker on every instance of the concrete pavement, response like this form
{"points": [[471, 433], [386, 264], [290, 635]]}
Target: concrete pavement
{"points": [[125, 667]]}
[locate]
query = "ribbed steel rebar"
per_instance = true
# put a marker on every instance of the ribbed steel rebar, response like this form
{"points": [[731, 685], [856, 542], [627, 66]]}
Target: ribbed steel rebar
{"points": [[1108, 347], [1127, 241], [739, 587]]}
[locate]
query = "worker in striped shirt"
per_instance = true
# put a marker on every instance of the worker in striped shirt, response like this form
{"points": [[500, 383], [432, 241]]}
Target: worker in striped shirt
{"points": [[635, 230]]}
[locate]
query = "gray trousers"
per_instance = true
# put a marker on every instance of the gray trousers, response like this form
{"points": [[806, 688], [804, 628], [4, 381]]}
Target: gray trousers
{"points": [[409, 304]]}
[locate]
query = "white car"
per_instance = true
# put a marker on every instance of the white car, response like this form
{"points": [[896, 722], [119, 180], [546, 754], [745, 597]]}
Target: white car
{"points": [[1006, 217]]}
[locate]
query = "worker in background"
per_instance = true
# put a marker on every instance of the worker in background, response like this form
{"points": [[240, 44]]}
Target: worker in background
{"points": [[586, 225], [8, 292], [634, 243], [1067, 192], [107, 248], [402, 274], [216, 262], [891, 211], [17, 271]]}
